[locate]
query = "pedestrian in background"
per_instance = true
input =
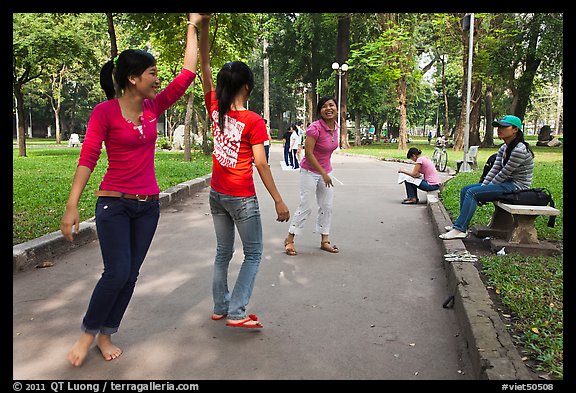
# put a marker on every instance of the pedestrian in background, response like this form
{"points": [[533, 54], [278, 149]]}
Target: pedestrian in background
{"points": [[424, 168], [286, 144], [127, 208], [267, 142], [239, 136], [294, 146], [315, 176]]}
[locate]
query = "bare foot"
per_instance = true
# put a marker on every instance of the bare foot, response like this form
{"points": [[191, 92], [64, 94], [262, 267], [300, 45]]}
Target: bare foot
{"points": [[80, 349], [109, 350]]}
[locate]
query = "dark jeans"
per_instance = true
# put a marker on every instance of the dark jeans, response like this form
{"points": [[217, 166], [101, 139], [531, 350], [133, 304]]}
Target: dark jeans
{"points": [[125, 230], [294, 158], [287, 153], [412, 189]]}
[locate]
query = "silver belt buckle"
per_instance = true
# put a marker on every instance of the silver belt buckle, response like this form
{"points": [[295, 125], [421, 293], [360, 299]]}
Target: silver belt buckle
{"points": [[142, 198]]}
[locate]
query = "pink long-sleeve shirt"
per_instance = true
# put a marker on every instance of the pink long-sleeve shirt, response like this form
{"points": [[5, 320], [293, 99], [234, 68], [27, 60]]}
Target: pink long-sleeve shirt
{"points": [[130, 149]]}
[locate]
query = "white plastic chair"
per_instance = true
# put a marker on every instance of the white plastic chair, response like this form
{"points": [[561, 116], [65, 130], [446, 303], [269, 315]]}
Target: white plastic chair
{"points": [[74, 140]]}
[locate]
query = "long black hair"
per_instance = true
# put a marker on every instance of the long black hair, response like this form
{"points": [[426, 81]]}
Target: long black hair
{"points": [[519, 138], [115, 73], [230, 79]]}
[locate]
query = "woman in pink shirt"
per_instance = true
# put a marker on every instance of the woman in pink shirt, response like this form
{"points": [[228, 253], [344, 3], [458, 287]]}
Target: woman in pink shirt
{"points": [[128, 208], [315, 176], [424, 167]]}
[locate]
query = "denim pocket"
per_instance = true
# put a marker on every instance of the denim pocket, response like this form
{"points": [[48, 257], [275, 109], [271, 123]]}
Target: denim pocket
{"points": [[106, 206], [247, 208]]}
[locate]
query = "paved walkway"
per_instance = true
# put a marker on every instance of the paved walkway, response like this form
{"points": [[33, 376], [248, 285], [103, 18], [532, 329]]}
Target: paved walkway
{"points": [[372, 312]]}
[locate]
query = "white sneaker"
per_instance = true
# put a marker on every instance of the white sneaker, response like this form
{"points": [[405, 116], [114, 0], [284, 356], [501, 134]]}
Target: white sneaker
{"points": [[453, 234]]}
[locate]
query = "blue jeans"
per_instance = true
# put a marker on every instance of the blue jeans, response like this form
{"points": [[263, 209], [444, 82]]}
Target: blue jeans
{"points": [[243, 213], [472, 193], [412, 189], [125, 230]]}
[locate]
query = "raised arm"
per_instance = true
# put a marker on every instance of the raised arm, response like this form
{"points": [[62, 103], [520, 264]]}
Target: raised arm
{"points": [[191, 51], [205, 72]]}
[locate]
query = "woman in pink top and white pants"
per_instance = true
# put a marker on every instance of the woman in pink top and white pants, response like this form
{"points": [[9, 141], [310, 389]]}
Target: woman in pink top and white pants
{"points": [[424, 166], [315, 181], [128, 208]]}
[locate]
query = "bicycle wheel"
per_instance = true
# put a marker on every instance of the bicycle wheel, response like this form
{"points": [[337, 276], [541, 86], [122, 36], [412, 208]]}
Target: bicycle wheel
{"points": [[443, 161], [436, 157]]}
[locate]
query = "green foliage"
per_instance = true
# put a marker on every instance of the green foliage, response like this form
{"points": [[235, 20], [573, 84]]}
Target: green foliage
{"points": [[163, 143]]}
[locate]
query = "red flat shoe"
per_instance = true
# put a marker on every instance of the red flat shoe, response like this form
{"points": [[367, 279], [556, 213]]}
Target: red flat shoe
{"points": [[243, 323], [217, 317]]}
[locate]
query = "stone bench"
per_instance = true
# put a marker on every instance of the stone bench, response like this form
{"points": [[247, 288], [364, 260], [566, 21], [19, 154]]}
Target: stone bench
{"points": [[515, 224]]}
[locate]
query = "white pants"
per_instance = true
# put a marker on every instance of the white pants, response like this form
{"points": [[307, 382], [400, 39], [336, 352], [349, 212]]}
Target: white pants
{"points": [[312, 187]]}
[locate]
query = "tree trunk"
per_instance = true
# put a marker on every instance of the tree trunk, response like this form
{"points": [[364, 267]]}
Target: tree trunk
{"points": [[445, 97], [403, 131], [112, 34], [342, 53], [489, 135], [357, 138], [20, 120], [311, 108], [56, 100], [205, 124], [531, 64], [476, 96]]}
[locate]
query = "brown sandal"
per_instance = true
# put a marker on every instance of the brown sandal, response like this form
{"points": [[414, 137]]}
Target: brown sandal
{"points": [[289, 250], [326, 246]]}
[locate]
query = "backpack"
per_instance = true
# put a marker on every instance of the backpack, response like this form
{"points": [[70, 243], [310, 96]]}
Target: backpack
{"points": [[531, 196], [489, 164]]}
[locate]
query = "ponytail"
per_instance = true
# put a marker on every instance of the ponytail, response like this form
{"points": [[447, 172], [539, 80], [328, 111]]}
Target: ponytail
{"points": [[230, 79], [106, 80], [115, 73]]}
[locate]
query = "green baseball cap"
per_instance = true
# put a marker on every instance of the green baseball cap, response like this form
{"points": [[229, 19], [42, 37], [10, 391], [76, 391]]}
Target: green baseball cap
{"points": [[508, 120]]}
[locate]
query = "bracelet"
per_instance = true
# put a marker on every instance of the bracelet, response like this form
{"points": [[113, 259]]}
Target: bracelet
{"points": [[192, 23]]}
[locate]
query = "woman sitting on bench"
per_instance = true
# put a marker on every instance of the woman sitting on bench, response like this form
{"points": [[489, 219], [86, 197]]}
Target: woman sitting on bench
{"points": [[512, 170]]}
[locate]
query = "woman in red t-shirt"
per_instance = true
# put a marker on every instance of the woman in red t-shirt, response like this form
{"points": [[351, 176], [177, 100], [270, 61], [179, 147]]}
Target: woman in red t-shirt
{"points": [[127, 209], [239, 136]]}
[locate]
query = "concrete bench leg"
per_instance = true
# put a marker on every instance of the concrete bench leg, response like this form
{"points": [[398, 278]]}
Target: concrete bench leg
{"points": [[524, 230], [501, 225]]}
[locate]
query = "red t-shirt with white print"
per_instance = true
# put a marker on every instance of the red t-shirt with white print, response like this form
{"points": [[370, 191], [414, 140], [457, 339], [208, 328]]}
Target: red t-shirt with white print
{"points": [[232, 156]]}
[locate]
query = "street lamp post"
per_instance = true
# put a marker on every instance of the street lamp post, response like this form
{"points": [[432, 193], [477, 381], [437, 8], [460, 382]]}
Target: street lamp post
{"points": [[340, 70], [465, 167]]}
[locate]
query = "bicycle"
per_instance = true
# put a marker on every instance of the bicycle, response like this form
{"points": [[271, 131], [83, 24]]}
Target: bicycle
{"points": [[440, 158]]}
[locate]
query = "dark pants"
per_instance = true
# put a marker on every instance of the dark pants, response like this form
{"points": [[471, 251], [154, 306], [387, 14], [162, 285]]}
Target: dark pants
{"points": [[294, 158], [125, 230], [287, 153]]}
